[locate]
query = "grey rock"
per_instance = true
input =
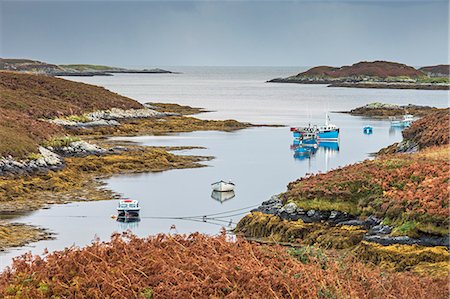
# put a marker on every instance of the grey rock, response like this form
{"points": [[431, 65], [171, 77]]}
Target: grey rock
{"points": [[405, 240], [81, 148], [310, 213], [290, 208], [48, 157], [380, 229]]}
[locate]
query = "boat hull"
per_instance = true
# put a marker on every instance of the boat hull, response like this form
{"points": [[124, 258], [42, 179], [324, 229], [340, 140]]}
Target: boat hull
{"points": [[401, 123], [128, 212], [222, 186], [328, 135]]}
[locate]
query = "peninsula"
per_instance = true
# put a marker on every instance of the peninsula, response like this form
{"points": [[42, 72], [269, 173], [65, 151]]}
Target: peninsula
{"points": [[85, 70]]}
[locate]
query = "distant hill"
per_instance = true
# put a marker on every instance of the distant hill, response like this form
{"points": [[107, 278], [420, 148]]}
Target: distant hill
{"points": [[380, 69], [39, 67], [26, 98], [375, 74], [441, 70]]}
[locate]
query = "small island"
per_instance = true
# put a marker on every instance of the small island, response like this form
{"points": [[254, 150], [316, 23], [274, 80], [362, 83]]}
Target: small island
{"points": [[66, 70], [385, 110], [376, 74]]}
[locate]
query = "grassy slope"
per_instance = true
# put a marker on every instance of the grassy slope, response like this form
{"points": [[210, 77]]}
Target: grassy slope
{"points": [[409, 191], [431, 130], [25, 98]]}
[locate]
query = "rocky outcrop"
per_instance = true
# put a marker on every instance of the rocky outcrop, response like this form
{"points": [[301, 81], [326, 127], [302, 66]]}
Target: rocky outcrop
{"points": [[385, 110], [376, 231], [80, 148], [108, 117], [116, 114], [47, 160], [82, 124], [51, 158], [291, 211]]}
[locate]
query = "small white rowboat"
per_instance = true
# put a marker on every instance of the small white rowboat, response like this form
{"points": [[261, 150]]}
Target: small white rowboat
{"points": [[222, 186]]}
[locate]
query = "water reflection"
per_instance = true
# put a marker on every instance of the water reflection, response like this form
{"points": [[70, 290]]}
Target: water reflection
{"points": [[128, 223], [330, 145], [395, 130], [222, 196], [305, 151]]}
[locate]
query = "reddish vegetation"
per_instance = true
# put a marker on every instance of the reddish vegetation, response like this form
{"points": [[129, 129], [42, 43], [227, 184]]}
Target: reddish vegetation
{"points": [[24, 98], [198, 266], [430, 130], [401, 187], [20, 133], [44, 96], [381, 69], [441, 69]]}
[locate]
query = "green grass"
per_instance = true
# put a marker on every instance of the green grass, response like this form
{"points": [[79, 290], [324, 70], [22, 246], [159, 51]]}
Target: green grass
{"points": [[87, 67], [434, 80], [78, 118], [61, 141]]}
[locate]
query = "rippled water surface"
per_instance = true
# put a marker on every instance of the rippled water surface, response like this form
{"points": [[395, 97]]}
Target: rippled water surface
{"points": [[260, 161]]}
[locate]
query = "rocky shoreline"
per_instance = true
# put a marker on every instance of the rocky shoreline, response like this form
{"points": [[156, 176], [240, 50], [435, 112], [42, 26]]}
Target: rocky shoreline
{"points": [[376, 231], [357, 84], [19, 234]]}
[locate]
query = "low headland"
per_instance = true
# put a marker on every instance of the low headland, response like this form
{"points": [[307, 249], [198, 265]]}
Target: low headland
{"points": [[67, 70], [375, 74], [55, 146]]}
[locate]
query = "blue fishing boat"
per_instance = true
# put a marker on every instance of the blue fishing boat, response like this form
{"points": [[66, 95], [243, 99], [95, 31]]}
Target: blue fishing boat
{"points": [[328, 131], [368, 130]]}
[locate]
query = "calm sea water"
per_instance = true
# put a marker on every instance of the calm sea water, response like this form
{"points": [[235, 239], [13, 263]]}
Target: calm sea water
{"points": [[260, 161]]}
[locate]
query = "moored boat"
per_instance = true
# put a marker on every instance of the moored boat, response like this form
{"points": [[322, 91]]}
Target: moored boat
{"points": [[329, 131], [222, 186], [368, 130], [406, 121], [128, 208]]}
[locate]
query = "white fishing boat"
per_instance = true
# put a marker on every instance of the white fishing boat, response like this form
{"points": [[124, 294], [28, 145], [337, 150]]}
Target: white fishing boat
{"points": [[222, 186], [405, 122], [128, 208]]}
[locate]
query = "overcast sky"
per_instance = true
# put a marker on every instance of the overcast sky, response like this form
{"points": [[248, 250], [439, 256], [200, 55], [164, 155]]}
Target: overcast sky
{"points": [[242, 33]]}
